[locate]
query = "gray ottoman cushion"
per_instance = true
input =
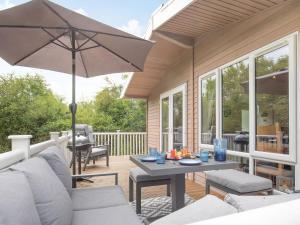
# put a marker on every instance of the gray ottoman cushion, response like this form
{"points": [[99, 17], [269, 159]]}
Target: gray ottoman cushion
{"points": [[243, 203], [140, 175], [17, 204], [117, 215], [239, 181], [203, 209], [54, 157], [52, 200], [92, 198]]}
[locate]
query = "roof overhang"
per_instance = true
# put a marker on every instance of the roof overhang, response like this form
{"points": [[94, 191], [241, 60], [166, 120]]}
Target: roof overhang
{"points": [[175, 26]]}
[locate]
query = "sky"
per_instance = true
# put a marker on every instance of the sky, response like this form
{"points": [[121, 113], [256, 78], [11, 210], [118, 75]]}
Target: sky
{"points": [[129, 15]]}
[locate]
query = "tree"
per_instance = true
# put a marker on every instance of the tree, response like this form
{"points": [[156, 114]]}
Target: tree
{"points": [[27, 106]]}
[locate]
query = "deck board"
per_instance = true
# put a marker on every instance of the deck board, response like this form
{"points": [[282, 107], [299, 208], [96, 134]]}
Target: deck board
{"points": [[122, 164]]}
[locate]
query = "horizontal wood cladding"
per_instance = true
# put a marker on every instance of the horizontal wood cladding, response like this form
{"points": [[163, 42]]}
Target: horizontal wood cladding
{"points": [[178, 73], [204, 16]]}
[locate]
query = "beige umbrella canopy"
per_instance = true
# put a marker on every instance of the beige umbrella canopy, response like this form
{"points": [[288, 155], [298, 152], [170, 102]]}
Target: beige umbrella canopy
{"points": [[42, 34]]}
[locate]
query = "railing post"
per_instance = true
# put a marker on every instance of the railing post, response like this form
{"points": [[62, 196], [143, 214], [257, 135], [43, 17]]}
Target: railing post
{"points": [[21, 142], [64, 133], [118, 142], [54, 136]]}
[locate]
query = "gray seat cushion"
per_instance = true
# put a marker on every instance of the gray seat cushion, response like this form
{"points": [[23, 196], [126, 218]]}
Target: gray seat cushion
{"points": [[17, 204], [239, 181], [58, 164], [138, 175], [243, 203], [52, 200], [117, 215], [99, 151], [92, 198], [206, 208]]}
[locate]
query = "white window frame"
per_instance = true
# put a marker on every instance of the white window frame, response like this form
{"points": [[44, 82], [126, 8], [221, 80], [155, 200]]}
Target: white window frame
{"points": [[203, 77], [294, 106], [182, 88]]}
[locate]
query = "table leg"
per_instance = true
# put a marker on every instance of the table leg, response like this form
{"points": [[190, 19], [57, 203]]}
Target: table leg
{"points": [[79, 162], [178, 191]]}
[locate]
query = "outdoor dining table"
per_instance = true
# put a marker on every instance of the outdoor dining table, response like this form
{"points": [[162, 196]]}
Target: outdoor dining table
{"points": [[177, 173]]}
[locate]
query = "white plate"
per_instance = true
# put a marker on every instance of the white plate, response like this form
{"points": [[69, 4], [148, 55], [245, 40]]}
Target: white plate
{"points": [[148, 159], [190, 162]]}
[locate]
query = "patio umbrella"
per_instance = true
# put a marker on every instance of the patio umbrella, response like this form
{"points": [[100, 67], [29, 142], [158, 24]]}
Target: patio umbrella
{"points": [[42, 34]]}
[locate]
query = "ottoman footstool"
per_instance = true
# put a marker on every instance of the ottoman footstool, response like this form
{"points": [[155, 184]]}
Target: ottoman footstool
{"points": [[237, 182], [143, 179]]}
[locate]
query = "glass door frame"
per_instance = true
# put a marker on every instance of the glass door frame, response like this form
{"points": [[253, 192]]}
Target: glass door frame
{"points": [[169, 94]]}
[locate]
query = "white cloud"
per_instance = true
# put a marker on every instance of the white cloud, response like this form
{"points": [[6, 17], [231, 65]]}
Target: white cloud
{"points": [[81, 11], [133, 27], [6, 4]]}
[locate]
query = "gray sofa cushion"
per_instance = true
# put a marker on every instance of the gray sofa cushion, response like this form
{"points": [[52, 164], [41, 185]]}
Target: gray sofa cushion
{"points": [[52, 201], [239, 181], [140, 175], [55, 158], [243, 203], [17, 203], [92, 198], [117, 215], [206, 208]]}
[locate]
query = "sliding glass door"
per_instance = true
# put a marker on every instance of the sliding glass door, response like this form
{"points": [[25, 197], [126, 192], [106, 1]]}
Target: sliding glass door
{"points": [[173, 118]]}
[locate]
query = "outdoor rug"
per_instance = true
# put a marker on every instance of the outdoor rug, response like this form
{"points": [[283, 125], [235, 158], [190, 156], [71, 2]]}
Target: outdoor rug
{"points": [[158, 207]]}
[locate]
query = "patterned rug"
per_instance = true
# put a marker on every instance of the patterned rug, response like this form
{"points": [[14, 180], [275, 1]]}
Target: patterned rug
{"points": [[158, 207]]}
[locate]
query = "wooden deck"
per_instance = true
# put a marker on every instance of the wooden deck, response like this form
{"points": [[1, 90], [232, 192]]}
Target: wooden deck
{"points": [[122, 164]]}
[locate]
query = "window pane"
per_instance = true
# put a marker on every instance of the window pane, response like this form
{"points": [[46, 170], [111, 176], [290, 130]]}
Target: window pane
{"points": [[178, 120], [235, 106], [272, 101], [208, 109], [282, 176], [165, 124]]}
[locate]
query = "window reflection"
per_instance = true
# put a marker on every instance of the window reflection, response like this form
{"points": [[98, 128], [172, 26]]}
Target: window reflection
{"points": [[165, 123], [282, 176], [235, 106], [178, 120], [272, 101], [208, 107]]}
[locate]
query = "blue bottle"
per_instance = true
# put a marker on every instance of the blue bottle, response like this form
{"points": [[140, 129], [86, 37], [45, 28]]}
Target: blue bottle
{"points": [[220, 146]]}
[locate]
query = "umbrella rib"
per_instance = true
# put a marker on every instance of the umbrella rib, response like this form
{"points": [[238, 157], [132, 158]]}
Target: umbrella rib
{"points": [[87, 48], [56, 13], [84, 43], [113, 52], [110, 34], [83, 62], [33, 27], [51, 35], [36, 50]]}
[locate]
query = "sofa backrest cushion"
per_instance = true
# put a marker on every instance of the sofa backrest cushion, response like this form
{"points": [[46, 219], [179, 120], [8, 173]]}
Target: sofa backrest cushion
{"points": [[52, 200], [16, 203], [54, 157], [243, 203]]}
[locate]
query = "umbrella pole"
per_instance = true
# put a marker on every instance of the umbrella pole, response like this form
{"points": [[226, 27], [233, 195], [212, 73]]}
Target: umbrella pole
{"points": [[73, 106]]}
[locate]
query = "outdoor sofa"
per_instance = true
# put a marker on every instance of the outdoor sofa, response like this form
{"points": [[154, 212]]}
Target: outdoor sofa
{"points": [[39, 191]]}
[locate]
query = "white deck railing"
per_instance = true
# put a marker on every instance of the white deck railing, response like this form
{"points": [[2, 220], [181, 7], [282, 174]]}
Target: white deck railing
{"points": [[22, 150], [123, 143]]}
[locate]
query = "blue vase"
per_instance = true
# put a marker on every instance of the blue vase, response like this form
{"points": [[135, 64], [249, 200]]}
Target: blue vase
{"points": [[220, 146]]}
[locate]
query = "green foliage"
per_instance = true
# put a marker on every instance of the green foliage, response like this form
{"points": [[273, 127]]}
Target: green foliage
{"points": [[28, 106]]}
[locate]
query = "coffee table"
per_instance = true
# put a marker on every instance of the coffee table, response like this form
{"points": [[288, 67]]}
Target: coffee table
{"points": [[178, 172]]}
